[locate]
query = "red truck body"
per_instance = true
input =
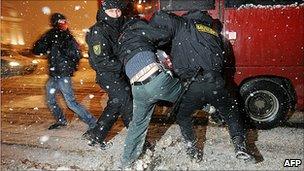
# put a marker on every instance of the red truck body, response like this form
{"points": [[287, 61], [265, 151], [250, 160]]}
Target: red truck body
{"points": [[270, 42]]}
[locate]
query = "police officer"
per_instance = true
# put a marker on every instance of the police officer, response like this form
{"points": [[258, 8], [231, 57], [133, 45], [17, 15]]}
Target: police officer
{"points": [[196, 49], [63, 56], [102, 41], [150, 81]]}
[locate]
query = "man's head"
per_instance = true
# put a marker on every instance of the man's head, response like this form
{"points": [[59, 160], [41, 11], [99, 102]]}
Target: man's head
{"points": [[113, 8], [59, 21]]}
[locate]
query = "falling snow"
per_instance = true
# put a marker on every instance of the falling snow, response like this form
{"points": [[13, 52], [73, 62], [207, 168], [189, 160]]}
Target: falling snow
{"points": [[46, 10], [77, 7], [52, 90]]}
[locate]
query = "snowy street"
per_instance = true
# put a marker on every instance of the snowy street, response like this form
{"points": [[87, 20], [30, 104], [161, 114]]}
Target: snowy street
{"points": [[27, 144]]}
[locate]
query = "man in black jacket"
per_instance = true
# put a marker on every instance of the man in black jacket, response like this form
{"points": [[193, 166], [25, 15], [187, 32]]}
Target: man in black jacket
{"points": [[63, 56], [196, 47], [150, 81], [102, 41]]}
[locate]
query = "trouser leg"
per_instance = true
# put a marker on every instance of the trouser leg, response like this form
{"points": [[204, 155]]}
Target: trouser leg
{"points": [[65, 87], [188, 105], [51, 90], [137, 131], [119, 103], [228, 108]]}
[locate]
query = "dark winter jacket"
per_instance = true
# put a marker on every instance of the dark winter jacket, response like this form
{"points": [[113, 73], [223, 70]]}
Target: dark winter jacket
{"points": [[102, 41], [139, 36], [194, 44], [62, 51]]}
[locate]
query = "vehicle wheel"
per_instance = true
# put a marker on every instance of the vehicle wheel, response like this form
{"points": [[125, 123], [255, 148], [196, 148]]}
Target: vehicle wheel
{"points": [[266, 103]]}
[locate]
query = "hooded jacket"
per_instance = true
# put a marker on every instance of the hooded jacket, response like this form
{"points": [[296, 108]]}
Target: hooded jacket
{"points": [[194, 43], [138, 36], [102, 42], [62, 50]]}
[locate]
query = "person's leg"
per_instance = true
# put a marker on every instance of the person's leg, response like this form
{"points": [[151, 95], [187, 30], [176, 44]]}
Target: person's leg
{"points": [[227, 106], [125, 98], [118, 92], [137, 131], [51, 90], [127, 111], [191, 101], [65, 87]]}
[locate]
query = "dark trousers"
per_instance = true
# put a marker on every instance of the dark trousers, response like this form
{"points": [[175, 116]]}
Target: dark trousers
{"points": [[119, 104], [208, 89]]}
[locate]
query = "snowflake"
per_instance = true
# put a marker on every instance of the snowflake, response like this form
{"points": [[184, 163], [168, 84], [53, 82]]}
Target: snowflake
{"points": [[52, 90], [46, 10], [77, 7]]}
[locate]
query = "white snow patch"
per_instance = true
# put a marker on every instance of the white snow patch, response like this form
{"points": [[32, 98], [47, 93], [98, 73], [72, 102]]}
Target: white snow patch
{"points": [[247, 6]]}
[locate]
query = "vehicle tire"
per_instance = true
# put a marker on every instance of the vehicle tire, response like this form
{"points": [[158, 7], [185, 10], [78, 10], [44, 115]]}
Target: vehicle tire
{"points": [[266, 102]]}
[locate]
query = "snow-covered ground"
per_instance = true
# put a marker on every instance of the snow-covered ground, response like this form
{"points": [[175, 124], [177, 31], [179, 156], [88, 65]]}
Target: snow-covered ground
{"points": [[34, 147]]}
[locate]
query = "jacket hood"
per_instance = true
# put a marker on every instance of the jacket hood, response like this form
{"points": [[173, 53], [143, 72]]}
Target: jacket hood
{"points": [[116, 23], [199, 17]]}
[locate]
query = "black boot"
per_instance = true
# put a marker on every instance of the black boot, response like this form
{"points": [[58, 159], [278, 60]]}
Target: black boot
{"points": [[57, 125], [148, 146], [241, 150], [193, 152], [95, 137], [91, 136]]}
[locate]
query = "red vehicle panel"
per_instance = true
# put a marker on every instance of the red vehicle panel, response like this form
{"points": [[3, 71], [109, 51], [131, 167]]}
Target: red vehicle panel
{"points": [[269, 41]]}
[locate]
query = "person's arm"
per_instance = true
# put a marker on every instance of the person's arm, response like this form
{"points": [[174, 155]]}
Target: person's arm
{"points": [[101, 53], [166, 21], [158, 36], [74, 51], [155, 35], [42, 45]]}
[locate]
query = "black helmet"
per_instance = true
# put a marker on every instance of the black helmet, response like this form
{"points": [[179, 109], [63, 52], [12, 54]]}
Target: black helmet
{"points": [[55, 18]]}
